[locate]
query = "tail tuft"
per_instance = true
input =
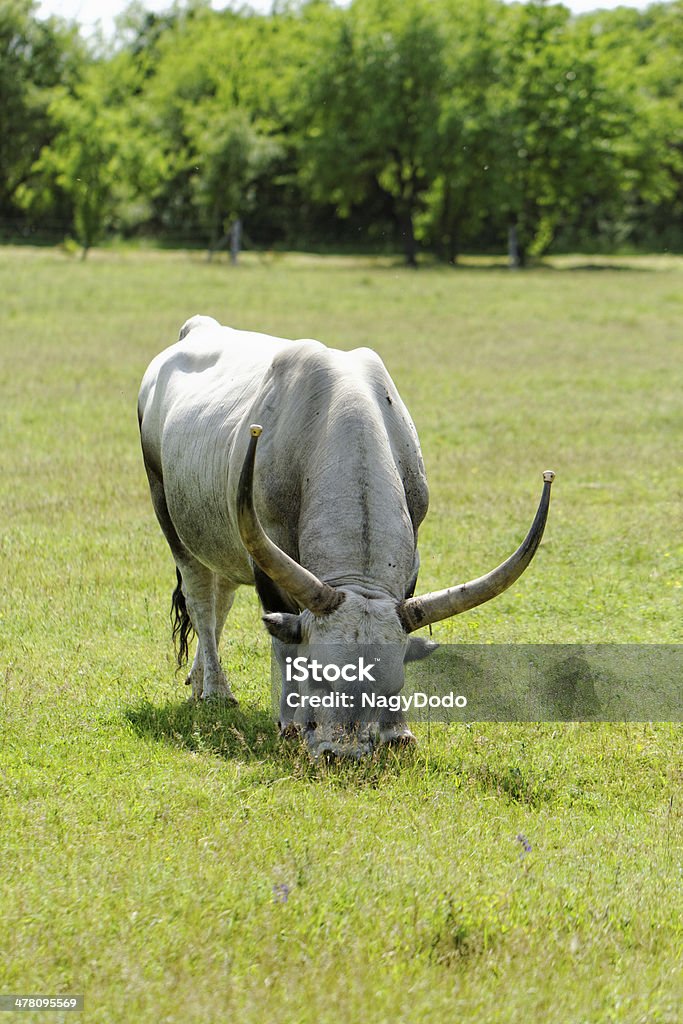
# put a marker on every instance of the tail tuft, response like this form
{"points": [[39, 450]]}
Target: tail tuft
{"points": [[183, 630]]}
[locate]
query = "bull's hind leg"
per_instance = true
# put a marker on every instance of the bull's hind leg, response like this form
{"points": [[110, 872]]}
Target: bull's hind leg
{"points": [[224, 595], [201, 602], [208, 601]]}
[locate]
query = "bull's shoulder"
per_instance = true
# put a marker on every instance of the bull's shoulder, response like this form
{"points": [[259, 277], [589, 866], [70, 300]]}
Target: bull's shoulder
{"points": [[302, 355], [368, 363], [369, 368], [306, 356]]}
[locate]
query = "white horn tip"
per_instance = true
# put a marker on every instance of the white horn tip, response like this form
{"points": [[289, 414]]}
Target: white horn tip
{"points": [[549, 476], [256, 429]]}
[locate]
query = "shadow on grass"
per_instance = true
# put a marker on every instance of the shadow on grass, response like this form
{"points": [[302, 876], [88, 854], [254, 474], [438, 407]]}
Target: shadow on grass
{"points": [[612, 267], [250, 735], [221, 730]]}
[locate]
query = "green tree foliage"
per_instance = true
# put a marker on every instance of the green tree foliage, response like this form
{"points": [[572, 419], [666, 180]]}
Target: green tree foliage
{"points": [[211, 103], [373, 109], [231, 156], [459, 200], [640, 53], [35, 57], [561, 152], [99, 158], [437, 124]]}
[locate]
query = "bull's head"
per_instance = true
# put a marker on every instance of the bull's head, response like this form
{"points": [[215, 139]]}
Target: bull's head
{"points": [[345, 621]]}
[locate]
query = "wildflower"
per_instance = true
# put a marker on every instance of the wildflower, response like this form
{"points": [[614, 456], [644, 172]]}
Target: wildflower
{"points": [[280, 892], [526, 845]]}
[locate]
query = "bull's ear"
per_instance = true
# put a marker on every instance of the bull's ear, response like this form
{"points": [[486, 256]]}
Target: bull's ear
{"points": [[419, 647], [284, 626]]}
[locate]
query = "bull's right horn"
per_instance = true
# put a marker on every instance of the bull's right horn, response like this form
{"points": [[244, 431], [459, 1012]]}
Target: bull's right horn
{"points": [[306, 589], [442, 604]]}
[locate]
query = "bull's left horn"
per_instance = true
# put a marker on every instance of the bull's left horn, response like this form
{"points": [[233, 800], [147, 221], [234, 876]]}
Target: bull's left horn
{"points": [[306, 589], [442, 604]]}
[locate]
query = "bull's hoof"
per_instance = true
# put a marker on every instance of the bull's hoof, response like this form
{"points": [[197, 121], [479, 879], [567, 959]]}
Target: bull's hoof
{"points": [[223, 697], [397, 736], [289, 732], [341, 751]]}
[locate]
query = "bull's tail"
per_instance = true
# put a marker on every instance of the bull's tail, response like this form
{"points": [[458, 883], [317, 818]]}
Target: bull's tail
{"points": [[183, 630]]}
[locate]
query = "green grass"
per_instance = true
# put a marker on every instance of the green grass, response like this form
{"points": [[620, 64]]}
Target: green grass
{"points": [[143, 839]]}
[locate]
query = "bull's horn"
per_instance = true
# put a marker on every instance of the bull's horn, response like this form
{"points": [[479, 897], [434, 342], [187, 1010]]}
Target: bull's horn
{"points": [[306, 589], [441, 604]]}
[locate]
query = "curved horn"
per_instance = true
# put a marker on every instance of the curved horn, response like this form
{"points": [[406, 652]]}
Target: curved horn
{"points": [[441, 604], [306, 589]]}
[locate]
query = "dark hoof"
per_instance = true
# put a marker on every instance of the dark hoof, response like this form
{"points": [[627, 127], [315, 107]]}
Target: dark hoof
{"points": [[289, 732], [400, 738]]}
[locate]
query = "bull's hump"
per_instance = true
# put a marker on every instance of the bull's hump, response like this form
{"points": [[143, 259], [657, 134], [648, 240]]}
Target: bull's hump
{"points": [[198, 320], [209, 346]]}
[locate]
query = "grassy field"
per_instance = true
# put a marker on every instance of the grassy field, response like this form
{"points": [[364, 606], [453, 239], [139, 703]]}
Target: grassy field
{"points": [[177, 863]]}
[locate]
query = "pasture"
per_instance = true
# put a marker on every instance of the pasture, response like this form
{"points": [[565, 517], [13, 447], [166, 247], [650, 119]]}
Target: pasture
{"points": [[177, 863]]}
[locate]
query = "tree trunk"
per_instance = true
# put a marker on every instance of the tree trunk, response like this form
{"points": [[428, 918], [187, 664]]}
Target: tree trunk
{"points": [[453, 247], [235, 240], [409, 244], [516, 254]]}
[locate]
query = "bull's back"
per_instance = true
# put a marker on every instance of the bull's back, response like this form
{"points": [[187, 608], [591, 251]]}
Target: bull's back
{"points": [[198, 398]]}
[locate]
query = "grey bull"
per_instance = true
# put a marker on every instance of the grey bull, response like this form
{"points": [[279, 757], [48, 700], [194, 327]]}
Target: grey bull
{"points": [[323, 522]]}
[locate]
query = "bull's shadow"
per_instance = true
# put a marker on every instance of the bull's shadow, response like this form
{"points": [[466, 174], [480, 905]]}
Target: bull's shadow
{"points": [[243, 732], [249, 734]]}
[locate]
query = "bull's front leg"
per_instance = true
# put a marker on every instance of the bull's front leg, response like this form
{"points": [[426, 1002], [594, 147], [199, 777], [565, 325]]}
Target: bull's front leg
{"points": [[289, 729]]}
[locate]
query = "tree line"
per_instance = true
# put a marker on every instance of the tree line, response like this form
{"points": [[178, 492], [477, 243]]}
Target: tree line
{"points": [[433, 125]]}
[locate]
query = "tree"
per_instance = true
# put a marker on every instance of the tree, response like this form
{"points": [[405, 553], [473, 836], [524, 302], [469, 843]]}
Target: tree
{"points": [[35, 57], [562, 129], [459, 196], [211, 106], [371, 109], [229, 158], [639, 52], [441, 123], [99, 156]]}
